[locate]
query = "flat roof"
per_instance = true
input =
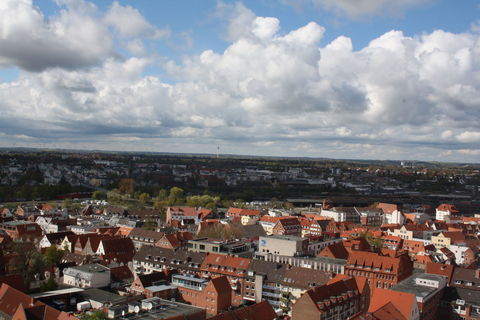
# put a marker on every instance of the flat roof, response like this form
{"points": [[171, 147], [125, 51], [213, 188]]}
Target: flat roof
{"points": [[56, 292], [165, 310], [102, 296], [280, 237], [408, 285], [160, 288]]}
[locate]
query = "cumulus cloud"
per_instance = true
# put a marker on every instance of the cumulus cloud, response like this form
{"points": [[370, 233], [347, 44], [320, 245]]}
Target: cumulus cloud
{"points": [[269, 92], [70, 40], [129, 22], [358, 8]]}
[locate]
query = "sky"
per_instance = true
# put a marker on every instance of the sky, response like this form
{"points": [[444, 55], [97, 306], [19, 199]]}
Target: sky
{"points": [[348, 79]]}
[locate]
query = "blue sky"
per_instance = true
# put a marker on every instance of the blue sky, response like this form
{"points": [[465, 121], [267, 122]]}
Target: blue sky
{"points": [[329, 78]]}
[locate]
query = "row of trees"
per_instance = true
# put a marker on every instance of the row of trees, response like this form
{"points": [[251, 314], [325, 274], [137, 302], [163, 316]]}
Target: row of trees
{"points": [[30, 263]]}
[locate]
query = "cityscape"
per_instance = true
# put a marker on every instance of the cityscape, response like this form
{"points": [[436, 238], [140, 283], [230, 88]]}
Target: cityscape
{"points": [[239, 160]]}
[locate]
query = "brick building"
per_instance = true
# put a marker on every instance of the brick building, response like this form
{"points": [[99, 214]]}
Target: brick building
{"points": [[341, 298], [380, 271], [234, 268], [213, 295]]}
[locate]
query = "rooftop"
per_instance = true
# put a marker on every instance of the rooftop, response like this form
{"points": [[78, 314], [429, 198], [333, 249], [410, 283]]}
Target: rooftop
{"points": [[287, 238], [409, 285]]}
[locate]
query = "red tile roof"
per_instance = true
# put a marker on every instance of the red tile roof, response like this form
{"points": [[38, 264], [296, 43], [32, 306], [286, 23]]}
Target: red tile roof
{"points": [[402, 301]]}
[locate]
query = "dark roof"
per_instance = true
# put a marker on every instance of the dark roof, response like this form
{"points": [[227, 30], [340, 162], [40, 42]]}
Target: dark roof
{"points": [[253, 231], [295, 277], [171, 257], [468, 295], [120, 273], [259, 311], [147, 280]]}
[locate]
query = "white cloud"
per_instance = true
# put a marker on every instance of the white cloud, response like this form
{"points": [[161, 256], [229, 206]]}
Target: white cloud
{"points": [[70, 40], [129, 22], [268, 92], [357, 8]]}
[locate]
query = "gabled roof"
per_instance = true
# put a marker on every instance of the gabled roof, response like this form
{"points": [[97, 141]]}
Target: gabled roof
{"points": [[120, 273], [336, 250], [22, 306], [373, 260], [401, 301], [389, 312], [148, 279], [259, 311], [440, 269], [387, 207], [243, 212], [227, 265], [143, 233], [447, 207], [185, 211], [117, 245]]}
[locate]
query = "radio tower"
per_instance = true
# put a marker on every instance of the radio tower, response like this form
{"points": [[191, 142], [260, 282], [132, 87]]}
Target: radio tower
{"points": [[218, 151]]}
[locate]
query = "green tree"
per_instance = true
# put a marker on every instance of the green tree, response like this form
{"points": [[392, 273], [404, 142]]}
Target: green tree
{"points": [[99, 195], [162, 195], [143, 198], [175, 196], [50, 285], [27, 261], [53, 255], [205, 201], [94, 315]]}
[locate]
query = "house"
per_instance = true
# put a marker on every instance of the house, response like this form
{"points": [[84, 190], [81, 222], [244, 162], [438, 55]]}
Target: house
{"points": [[268, 222], [287, 227], [151, 259], [54, 239], [121, 276], [428, 290], [382, 271], [187, 213], [414, 247], [234, 268], [445, 270], [87, 276], [22, 230], [370, 216], [120, 250], [342, 214], [445, 210], [142, 281], [341, 298], [411, 231], [391, 213], [280, 284], [387, 304], [466, 278], [174, 240], [213, 295], [446, 238], [337, 251], [460, 303], [141, 237], [17, 305]]}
